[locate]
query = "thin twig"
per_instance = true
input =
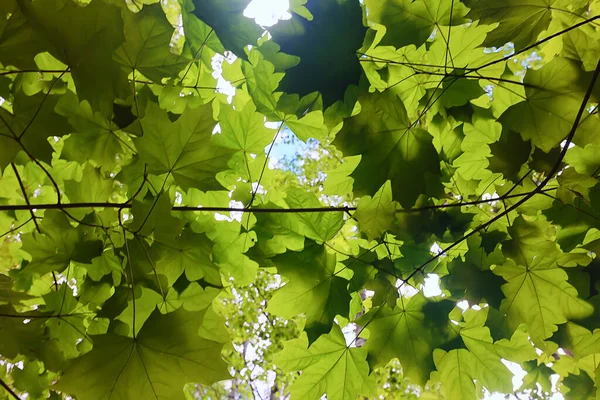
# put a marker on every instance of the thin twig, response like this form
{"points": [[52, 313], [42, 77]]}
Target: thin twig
{"points": [[24, 191], [9, 390]]}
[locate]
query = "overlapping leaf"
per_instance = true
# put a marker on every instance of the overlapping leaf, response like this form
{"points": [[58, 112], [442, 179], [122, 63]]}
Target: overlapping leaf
{"points": [[521, 22], [391, 148], [84, 38], [329, 367], [166, 354], [537, 292], [481, 360], [314, 289], [405, 333], [554, 95], [184, 148], [409, 22]]}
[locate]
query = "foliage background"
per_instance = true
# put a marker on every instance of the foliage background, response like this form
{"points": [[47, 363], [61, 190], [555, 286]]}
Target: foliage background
{"points": [[151, 248]]}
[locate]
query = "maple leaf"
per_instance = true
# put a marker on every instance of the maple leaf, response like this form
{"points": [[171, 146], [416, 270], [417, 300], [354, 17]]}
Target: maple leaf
{"points": [[329, 367], [376, 214], [390, 146], [521, 22], [165, 355], [183, 148], [314, 288], [404, 332], [84, 38], [410, 22]]}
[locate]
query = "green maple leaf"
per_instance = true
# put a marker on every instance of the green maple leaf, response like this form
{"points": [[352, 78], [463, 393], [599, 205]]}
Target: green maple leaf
{"points": [[273, 238], [94, 137], [309, 126], [29, 126], [68, 330], [405, 333], [328, 366], [32, 379], [472, 278], [376, 215], [537, 292], [464, 50], [521, 22], [154, 215], [398, 77], [190, 252], [84, 38], [338, 179], [391, 148], [56, 246], [486, 355], [107, 263], [29, 339], [457, 91], [197, 33], [412, 22], [473, 162], [320, 227], [554, 95], [229, 252], [582, 44], [165, 355], [583, 342], [585, 160], [314, 288], [243, 130], [509, 154], [261, 80], [92, 187], [197, 298], [8, 295], [139, 309], [231, 242], [169, 302], [19, 42], [185, 148], [574, 219], [147, 45], [579, 386], [226, 17], [457, 369]]}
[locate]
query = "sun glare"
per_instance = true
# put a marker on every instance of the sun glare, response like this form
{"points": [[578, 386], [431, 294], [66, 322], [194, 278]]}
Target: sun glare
{"points": [[268, 12]]}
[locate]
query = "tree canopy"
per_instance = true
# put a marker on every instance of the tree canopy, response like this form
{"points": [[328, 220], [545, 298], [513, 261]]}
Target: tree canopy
{"points": [[454, 140]]}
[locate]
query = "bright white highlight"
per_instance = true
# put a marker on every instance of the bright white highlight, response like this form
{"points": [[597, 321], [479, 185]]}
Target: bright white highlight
{"points": [[518, 373], [564, 143], [268, 12], [436, 248], [431, 287]]}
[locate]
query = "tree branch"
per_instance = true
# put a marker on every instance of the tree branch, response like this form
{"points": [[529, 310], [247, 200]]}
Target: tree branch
{"points": [[9, 390], [266, 210]]}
